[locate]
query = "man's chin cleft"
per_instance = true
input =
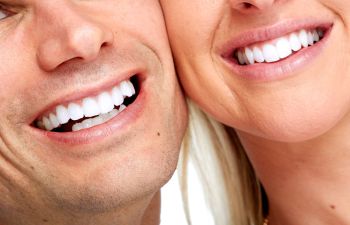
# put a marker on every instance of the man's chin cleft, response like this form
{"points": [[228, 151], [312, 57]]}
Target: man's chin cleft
{"points": [[90, 111]]}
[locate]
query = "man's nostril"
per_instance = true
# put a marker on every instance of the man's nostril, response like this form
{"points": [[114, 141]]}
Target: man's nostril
{"points": [[247, 5]]}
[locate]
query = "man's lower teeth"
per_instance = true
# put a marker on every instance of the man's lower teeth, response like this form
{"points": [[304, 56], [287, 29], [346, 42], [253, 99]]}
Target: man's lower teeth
{"points": [[88, 123]]}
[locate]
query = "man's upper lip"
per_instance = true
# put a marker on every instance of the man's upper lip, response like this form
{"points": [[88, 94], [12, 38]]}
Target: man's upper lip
{"points": [[271, 32]]}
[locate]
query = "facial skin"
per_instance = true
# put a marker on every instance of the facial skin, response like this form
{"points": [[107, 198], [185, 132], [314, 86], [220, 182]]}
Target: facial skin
{"points": [[301, 104], [292, 115], [58, 51]]}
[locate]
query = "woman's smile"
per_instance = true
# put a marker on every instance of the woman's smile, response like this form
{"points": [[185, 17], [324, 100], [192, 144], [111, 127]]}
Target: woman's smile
{"points": [[276, 51], [260, 68]]}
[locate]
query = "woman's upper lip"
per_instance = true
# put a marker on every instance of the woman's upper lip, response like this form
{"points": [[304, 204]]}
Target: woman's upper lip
{"points": [[271, 32]]}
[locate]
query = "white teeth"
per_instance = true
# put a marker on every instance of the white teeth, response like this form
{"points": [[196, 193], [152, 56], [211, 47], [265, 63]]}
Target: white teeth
{"points": [[294, 42], [101, 106], [240, 58], [98, 120], [40, 124], [249, 54], [246, 61], [258, 55], [62, 114], [122, 107], [283, 48], [54, 120], [303, 38], [47, 124], [127, 88], [88, 123], [270, 53], [315, 36], [114, 112], [320, 33], [75, 111], [280, 48], [117, 96], [310, 38], [90, 107], [105, 102], [77, 127]]}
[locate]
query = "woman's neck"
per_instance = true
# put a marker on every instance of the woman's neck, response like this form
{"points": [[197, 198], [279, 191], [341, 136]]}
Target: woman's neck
{"points": [[307, 182]]}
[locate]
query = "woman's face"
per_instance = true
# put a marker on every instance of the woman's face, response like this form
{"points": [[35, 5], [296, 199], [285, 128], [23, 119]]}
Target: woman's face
{"points": [[278, 69]]}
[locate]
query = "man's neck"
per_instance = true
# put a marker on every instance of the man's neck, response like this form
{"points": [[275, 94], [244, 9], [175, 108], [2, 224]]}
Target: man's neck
{"points": [[152, 213], [143, 212], [306, 183]]}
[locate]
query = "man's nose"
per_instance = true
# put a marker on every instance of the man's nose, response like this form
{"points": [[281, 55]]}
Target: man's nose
{"points": [[67, 33], [252, 6]]}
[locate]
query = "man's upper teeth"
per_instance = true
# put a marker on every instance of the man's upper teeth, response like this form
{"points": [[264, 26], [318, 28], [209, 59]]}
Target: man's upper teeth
{"points": [[102, 104], [280, 48]]}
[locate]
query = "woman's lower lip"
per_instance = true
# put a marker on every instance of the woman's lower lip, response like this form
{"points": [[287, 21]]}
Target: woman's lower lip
{"points": [[280, 69], [115, 126]]}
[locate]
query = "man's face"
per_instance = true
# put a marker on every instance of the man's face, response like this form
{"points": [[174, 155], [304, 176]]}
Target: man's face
{"points": [[62, 66]]}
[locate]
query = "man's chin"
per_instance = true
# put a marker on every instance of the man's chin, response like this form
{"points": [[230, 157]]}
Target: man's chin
{"points": [[112, 187]]}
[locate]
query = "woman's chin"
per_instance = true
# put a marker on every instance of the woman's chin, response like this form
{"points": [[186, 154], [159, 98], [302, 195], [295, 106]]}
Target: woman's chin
{"points": [[289, 130]]}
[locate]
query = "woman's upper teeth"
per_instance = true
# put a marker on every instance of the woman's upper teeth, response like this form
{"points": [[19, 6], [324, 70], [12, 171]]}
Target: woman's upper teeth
{"points": [[280, 48], [100, 104]]}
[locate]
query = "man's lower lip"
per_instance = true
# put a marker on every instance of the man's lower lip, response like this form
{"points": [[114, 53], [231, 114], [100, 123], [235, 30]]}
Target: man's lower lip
{"points": [[115, 126], [280, 69]]}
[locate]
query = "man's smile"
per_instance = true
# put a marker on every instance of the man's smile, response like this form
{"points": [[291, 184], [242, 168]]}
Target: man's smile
{"points": [[89, 111]]}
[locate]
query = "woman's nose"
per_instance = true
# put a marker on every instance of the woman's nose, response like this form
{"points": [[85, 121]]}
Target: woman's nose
{"points": [[249, 6]]}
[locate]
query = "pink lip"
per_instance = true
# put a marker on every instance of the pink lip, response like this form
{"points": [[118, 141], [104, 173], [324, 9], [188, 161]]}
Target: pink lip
{"points": [[284, 67], [114, 126]]}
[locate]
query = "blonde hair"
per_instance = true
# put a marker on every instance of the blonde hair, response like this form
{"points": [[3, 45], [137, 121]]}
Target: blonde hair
{"points": [[229, 183]]}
